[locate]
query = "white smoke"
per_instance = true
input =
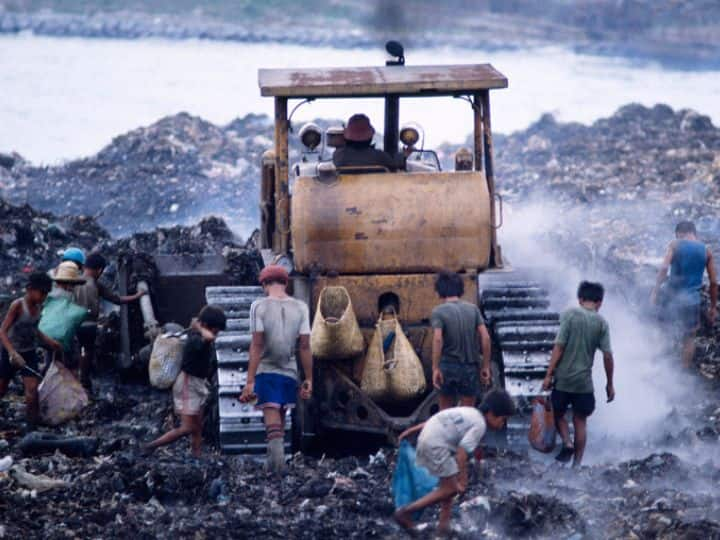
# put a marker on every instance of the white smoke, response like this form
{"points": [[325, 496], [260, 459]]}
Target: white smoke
{"points": [[647, 380]]}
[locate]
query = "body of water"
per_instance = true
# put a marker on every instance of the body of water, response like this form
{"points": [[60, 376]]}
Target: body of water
{"points": [[62, 98]]}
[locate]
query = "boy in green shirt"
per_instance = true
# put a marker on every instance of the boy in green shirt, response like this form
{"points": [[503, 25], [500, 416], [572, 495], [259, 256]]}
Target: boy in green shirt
{"points": [[582, 331]]}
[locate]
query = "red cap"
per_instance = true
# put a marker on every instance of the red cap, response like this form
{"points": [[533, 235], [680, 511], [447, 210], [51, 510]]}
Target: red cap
{"points": [[359, 129], [274, 272]]}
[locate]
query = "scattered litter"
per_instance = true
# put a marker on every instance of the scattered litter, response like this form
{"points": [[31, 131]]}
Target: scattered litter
{"points": [[36, 482]]}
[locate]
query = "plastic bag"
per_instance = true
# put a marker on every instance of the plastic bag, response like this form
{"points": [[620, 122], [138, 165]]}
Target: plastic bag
{"points": [[395, 374], [542, 432], [335, 332], [61, 395], [60, 320], [410, 481], [166, 360]]}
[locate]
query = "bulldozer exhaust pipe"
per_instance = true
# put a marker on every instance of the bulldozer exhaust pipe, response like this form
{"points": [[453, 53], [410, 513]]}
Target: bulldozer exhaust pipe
{"points": [[148, 314]]}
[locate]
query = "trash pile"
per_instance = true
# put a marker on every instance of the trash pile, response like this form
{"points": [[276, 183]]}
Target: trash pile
{"points": [[175, 171], [631, 177], [619, 186], [32, 240]]}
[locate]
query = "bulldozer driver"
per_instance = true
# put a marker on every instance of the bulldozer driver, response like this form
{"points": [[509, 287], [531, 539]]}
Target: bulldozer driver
{"points": [[359, 150]]}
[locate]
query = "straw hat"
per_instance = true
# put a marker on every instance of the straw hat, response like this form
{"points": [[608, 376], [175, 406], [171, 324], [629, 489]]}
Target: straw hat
{"points": [[68, 272]]}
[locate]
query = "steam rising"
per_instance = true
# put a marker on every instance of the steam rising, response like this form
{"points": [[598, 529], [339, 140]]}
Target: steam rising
{"points": [[648, 382]]}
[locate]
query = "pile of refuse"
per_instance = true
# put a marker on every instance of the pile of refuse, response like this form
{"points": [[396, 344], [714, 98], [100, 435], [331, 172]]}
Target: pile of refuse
{"points": [[610, 194], [626, 180], [32, 240], [175, 171]]}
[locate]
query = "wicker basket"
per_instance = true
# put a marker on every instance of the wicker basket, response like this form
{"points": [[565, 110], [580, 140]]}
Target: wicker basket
{"points": [[395, 375], [335, 331]]}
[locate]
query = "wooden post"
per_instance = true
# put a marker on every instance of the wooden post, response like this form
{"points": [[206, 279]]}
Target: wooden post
{"points": [[267, 200], [477, 133], [281, 237], [495, 256]]}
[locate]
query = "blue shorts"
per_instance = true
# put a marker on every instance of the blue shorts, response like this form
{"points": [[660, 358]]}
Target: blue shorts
{"points": [[276, 391]]}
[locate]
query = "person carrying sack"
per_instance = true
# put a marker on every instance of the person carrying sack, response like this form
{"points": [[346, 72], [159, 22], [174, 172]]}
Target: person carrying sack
{"points": [[20, 337], [190, 390], [582, 331], [446, 442], [458, 331], [61, 316]]}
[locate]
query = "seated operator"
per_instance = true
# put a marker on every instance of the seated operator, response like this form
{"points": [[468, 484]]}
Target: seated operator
{"points": [[359, 150]]}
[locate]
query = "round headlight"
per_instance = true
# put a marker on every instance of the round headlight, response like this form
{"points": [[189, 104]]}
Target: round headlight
{"points": [[409, 135], [311, 136]]}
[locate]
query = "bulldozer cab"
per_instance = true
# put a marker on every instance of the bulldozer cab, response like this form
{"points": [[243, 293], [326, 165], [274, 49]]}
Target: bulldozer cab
{"points": [[391, 83]]}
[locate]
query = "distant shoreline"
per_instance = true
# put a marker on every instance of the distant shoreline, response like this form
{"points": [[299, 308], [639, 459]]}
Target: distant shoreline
{"points": [[684, 50]]}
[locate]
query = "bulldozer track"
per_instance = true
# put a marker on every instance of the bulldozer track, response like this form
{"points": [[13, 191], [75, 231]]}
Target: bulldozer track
{"points": [[523, 329]]}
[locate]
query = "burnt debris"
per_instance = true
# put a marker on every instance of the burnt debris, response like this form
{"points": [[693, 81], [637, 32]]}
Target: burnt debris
{"points": [[631, 176]]}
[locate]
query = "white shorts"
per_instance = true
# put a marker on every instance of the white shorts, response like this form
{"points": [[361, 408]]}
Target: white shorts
{"points": [[189, 394], [438, 460]]}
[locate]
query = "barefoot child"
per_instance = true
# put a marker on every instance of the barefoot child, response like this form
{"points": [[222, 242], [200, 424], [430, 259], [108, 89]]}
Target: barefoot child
{"points": [[444, 447], [19, 335], [190, 390]]}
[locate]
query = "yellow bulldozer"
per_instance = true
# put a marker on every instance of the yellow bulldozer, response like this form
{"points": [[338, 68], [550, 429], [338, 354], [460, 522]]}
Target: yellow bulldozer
{"points": [[383, 236]]}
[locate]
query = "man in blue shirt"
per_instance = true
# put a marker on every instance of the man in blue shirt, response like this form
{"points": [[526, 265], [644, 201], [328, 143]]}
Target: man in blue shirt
{"points": [[687, 259]]}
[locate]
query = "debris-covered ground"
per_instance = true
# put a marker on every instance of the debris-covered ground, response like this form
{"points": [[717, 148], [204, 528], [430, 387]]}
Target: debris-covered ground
{"points": [[119, 493], [628, 178], [173, 172], [633, 172]]}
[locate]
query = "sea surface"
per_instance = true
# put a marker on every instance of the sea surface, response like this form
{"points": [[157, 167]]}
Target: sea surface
{"points": [[63, 98]]}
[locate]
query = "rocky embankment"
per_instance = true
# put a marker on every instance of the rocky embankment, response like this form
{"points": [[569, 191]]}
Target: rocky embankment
{"points": [[677, 33]]}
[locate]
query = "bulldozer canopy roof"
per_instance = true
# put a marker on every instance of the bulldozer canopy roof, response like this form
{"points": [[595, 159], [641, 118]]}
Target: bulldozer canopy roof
{"points": [[379, 81]]}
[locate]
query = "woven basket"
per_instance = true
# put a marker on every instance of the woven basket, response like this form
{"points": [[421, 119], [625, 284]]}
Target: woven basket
{"points": [[396, 375], [335, 331]]}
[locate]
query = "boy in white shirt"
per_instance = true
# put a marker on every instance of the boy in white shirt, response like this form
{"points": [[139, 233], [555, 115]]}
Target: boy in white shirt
{"points": [[444, 446]]}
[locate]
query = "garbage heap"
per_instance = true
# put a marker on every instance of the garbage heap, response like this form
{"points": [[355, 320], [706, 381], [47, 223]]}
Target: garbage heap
{"points": [[622, 183], [173, 172], [32, 240]]}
